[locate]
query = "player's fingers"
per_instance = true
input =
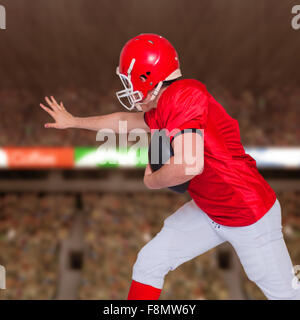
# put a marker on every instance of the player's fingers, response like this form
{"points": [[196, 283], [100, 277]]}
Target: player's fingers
{"points": [[55, 102], [51, 104], [48, 110], [62, 106], [51, 125]]}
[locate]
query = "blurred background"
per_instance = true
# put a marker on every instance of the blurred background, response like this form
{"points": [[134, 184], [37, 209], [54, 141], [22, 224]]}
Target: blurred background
{"points": [[71, 226]]}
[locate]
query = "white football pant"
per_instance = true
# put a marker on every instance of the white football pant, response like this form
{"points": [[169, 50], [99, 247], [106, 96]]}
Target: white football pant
{"points": [[189, 232]]}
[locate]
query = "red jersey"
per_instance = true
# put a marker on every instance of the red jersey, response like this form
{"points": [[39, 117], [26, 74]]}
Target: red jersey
{"points": [[230, 190]]}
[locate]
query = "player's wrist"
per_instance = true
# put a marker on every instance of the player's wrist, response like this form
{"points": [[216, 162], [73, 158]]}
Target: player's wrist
{"points": [[75, 122]]}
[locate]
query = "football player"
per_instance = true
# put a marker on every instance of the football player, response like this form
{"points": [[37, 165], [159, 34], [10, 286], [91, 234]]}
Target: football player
{"points": [[231, 201]]}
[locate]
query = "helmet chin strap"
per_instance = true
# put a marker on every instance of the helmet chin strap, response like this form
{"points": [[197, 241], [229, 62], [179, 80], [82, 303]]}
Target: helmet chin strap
{"points": [[156, 91], [138, 106], [153, 96]]}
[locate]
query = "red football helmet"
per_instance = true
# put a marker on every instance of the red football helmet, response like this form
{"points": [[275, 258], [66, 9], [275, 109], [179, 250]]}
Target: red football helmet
{"points": [[145, 62]]}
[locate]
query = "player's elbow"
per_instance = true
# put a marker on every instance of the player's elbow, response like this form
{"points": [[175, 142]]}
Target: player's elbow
{"points": [[199, 169], [193, 171], [194, 166]]}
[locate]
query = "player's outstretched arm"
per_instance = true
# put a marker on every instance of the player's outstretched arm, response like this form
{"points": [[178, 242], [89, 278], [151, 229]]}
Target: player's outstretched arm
{"points": [[64, 119]]}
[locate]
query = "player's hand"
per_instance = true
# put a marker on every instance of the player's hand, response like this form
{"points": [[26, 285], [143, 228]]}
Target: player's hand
{"points": [[148, 181], [63, 119]]}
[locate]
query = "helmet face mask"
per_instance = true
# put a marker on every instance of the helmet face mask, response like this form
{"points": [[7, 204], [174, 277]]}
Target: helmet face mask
{"points": [[128, 97]]}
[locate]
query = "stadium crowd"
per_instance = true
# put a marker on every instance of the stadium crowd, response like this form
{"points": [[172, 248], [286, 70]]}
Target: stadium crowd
{"points": [[270, 118], [116, 226], [31, 228]]}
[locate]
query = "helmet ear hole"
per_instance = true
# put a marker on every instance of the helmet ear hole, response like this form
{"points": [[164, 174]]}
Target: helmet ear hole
{"points": [[143, 78]]}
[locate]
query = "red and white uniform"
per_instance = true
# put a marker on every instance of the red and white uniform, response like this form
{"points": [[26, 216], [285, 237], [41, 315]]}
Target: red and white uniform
{"points": [[231, 202], [230, 190]]}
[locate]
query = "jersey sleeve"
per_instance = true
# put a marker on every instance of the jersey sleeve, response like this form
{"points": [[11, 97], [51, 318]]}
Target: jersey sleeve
{"points": [[150, 119], [184, 108]]}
